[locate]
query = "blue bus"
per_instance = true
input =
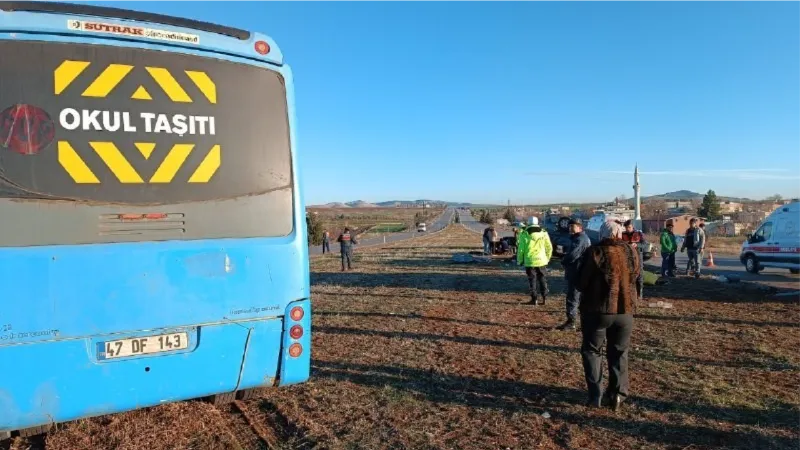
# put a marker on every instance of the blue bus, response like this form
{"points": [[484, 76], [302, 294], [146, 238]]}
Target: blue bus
{"points": [[153, 241]]}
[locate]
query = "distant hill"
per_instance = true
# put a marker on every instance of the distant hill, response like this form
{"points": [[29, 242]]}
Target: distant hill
{"points": [[360, 204], [331, 205], [690, 195]]}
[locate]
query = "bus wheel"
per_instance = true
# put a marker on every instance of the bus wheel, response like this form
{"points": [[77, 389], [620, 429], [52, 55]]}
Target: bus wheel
{"points": [[751, 264], [222, 399], [34, 431], [794, 271]]}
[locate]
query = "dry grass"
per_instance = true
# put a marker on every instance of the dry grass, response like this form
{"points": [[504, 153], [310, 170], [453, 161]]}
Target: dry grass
{"points": [[412, 351], [361, 219]]}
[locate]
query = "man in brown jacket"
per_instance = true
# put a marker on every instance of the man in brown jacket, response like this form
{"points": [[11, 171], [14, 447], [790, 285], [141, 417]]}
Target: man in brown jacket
{"points": [[607, 281]]}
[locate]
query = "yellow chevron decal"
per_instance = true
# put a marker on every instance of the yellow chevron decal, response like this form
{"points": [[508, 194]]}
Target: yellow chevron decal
{"points": [[122, 169], [145, 148], [208, 167], [66, 73], [169, 84], [172, 163], [204, 83], [107, 80], [119, 166], [74, 165], [141, 94]]}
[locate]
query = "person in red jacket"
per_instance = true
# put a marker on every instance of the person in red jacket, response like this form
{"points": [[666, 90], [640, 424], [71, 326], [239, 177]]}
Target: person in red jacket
{"points": [[636, 239]]}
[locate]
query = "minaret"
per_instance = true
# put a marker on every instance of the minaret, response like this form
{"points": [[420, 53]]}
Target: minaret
{"points": [[637, 198]]}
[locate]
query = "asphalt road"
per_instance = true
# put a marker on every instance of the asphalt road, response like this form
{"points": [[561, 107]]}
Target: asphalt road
{"points": [[730, 265], [472, 224], [440, 223]]}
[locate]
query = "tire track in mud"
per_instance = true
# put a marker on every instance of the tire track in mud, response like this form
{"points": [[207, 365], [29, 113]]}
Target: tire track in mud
{"points": [[257, 424]]}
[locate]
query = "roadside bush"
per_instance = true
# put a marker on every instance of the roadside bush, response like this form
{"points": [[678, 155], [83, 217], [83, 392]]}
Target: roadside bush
{"points": [[314, 229]]}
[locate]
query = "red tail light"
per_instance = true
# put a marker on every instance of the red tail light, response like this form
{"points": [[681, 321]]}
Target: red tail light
{"points": [[297, 313], [262, 48], [295, 350], [296, 332]]}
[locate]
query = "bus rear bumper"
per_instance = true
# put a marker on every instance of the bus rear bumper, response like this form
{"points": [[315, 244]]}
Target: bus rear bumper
{"points": [[59, 381]]}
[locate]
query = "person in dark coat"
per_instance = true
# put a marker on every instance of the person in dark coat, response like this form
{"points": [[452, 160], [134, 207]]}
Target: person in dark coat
{"points": [[346, 242], [607, 281], [326, 242], [571, 261]]}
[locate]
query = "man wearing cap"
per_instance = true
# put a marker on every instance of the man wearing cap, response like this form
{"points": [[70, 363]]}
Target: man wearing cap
{"points": [[534, 251], [571, 261]]}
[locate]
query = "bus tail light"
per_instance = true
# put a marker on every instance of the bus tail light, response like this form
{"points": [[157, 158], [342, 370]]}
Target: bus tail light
{"points": [[262, 48], [296, 332], [295, 350], [296, 313]]}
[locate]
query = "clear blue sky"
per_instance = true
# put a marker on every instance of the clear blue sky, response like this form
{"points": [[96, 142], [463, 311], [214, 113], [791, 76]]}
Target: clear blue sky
{"points": [[535, 102]]}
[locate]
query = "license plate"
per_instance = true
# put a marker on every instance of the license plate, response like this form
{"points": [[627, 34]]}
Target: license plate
{"points": [[146, 345]]}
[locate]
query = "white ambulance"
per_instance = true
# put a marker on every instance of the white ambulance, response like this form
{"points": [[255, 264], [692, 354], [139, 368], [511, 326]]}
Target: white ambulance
{"points": [[776, 242]]}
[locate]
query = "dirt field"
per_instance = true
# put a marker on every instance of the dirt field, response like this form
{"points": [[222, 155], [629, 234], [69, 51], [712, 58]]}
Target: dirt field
{"points": [[412, 351]]}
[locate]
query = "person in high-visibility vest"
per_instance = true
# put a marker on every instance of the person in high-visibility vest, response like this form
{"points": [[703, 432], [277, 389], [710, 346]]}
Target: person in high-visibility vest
{"points": [[534, 251]]}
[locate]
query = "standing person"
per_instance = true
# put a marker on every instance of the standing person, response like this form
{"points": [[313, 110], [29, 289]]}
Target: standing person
{"points": [[636, 239], [607, 281], [346, 242], [534, 251], [487, 240], [691, 243], [571, 261], [668, 248], [326, 242]]}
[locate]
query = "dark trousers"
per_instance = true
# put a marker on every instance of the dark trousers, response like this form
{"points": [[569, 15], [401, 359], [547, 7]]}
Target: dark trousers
{"points": [[347, 259], [573, 296], [537, 281], [640, 278], [615, 329], [667, 264], [694, 261], [326, 247]]}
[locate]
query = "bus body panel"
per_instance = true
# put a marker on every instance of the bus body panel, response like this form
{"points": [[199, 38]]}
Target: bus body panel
{"points": [[68, 292], [60, 381], [231, 296]]}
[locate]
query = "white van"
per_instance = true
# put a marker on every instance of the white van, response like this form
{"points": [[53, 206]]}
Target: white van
{"points": [[776, 243], [421, 228]]}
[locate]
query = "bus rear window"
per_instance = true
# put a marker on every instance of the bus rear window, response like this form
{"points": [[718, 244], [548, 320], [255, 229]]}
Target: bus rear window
{"points": [[134, 126]]}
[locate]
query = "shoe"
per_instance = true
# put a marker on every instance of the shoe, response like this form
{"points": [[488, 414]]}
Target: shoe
{"points": [[544, 300], [533, 301], [568, 325], [594, 402], [616, 402]]}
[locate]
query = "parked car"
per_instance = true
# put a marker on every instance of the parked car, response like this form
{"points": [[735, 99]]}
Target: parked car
{"points": [[421, 228]]}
